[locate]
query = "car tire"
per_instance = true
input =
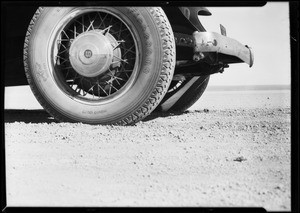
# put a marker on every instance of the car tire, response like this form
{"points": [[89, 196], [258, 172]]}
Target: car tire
{"points": [[77, 81]]}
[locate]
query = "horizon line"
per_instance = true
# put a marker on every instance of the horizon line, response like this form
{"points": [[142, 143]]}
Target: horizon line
{"points": [[248, 87]]}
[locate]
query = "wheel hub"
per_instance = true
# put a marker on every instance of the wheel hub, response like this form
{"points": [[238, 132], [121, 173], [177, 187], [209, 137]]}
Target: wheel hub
{"points": [[91, 53]]}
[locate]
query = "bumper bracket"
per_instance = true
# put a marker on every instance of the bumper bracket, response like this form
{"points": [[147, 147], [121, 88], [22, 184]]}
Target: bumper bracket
{"points": [[213, 42]]}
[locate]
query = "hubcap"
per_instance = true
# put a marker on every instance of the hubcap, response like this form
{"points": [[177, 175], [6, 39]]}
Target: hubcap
{"points": [[91, 53]]}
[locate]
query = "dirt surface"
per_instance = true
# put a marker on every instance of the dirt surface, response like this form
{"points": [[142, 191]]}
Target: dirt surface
{"points": [[208, 156]]}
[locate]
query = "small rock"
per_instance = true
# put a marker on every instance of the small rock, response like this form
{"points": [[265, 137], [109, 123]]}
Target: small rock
{"points": [[206, 110], [277, 187], [283, 206], [240, 159], [260, 158]]}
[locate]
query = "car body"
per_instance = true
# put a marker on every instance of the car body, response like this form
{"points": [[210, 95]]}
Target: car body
{"points": [[190, 54]]}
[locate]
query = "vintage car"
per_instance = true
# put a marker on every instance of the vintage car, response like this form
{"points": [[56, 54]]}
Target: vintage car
{"points": [[114, 65]]}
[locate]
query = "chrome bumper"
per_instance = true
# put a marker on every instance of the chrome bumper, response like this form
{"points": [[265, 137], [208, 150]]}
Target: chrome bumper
{"points": [[214, 42]]}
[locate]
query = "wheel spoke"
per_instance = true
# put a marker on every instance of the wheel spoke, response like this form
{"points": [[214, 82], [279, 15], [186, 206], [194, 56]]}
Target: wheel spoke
{"points": [[106, 30], [119, 32], [109, 90], [65, 34], [112, 86], [123, 60], [83, 24], [91, 25], [60, 58], [129, 50], [121, 79], [80, 24], [119, 43], [68, 73], [74, 32], [63, 45], [116, 78], [102, 20], [99, 87], [63, 51], [111, 18]]}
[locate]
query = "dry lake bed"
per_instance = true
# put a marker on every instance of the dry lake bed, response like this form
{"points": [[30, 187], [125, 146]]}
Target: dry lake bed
{"points": [[230, 149]]}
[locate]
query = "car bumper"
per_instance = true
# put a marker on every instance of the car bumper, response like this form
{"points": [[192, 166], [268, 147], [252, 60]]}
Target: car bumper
{"points": [[214, 42]]}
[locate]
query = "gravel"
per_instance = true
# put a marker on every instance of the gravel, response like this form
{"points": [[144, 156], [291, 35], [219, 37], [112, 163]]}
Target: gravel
{"points": [[203, 157]]}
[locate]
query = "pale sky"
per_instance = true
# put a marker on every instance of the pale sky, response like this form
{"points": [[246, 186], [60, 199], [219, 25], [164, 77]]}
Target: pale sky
{"points": [[266, 30]]}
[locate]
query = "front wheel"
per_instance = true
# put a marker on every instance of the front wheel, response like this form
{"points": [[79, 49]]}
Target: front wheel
{"points": [[99, 65]]}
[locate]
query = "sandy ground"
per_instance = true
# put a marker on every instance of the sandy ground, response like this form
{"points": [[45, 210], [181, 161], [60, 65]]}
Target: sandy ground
{"points": [[229, 149]]}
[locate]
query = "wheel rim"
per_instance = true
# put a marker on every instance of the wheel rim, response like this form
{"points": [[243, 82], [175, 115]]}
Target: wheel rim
{"points": [[94, 55]]}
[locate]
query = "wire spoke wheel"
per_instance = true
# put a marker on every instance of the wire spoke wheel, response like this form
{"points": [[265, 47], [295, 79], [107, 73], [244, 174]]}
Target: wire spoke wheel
{"points": [[95, 56]]}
